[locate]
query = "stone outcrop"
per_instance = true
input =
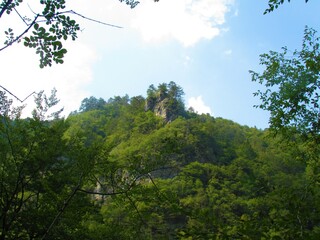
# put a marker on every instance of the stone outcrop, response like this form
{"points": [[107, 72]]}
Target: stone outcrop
{"points": [[165, 101], [160, 106]]}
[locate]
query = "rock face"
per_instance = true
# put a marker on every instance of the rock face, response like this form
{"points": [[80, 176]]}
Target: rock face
{"points": [[161, 110], [160, 106], [165, 101]]}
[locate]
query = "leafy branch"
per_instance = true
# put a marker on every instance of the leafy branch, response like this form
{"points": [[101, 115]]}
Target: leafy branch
{"points": [[274, 4], [50, 27]]}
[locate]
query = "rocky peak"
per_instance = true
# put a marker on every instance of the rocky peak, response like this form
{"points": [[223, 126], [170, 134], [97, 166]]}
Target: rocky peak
{"points": [[165, 101]]}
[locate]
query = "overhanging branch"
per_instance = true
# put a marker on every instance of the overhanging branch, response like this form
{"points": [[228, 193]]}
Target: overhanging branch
{"points": [[16, 96], [20, 36], [91, 19], [5, 7]]}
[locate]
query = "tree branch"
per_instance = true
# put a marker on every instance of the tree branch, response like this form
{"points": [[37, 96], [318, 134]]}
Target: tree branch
{"points": [[5, 7], [80, 15], [20, 36], [66, 203], [137, 210], [91, 19], [20, 16], [102, 193], [15, 95]]}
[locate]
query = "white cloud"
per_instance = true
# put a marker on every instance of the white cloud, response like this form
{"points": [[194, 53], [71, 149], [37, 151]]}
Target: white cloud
{"points": [[187, 21], [228, 52], [186, 60], [20, 74], [198, 105]]}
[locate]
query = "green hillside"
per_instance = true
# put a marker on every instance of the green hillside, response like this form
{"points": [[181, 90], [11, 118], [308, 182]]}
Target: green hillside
{"points": [[147, 168]]}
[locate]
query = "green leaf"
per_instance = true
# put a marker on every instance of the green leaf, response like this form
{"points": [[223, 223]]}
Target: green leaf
{"points": [[36, 26], [57, 45]]}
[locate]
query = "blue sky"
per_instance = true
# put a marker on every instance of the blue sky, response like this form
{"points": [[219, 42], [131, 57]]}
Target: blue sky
{"points": [[205, 46]]}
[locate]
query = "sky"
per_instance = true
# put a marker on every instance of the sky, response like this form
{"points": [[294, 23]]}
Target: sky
{"points": [[206, 46]]}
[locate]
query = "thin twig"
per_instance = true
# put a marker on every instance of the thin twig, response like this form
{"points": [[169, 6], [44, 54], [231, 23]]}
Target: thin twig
{"points": [[66, 203], [137, 210], [101, 193], [91, 19], [16, 96], [31, 10], [21, 16], [80, 15], [25, 31]]}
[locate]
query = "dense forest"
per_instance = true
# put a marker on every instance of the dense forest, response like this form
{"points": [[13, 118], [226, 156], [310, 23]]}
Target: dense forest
{"points": [[148, 168]]}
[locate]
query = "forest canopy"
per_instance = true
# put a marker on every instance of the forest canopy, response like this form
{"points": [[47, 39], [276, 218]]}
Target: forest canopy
{"points": [[147, 167], [118, 169]]}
